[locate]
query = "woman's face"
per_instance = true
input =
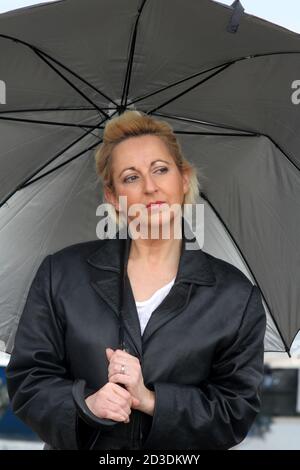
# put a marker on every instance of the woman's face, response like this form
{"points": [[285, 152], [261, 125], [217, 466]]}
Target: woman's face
{"points": [[144, 171]]}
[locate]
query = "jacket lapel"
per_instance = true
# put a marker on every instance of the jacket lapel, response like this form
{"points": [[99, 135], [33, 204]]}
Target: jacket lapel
{"points": [[194, 268], [106, 282]]}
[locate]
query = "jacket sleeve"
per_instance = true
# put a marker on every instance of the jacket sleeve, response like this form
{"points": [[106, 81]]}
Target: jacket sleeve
{"points": [[219, 413], [39, 384]]}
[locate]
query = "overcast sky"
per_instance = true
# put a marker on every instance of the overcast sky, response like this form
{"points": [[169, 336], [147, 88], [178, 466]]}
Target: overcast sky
{"points": [[283, 12]]}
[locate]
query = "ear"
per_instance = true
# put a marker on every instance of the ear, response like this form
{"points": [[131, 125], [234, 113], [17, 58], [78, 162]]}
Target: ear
{"points": [[110, 197], [186, 176]]}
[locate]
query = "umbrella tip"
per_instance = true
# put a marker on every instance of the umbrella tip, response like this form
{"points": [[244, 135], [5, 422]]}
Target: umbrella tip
{"points": [[235, 19]]}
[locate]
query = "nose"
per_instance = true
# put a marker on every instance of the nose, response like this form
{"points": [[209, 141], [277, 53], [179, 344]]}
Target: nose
{"points": [[149, 184]]}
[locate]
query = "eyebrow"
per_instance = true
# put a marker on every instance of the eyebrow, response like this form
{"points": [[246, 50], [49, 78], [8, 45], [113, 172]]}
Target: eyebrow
{"points": [[152, 163]]}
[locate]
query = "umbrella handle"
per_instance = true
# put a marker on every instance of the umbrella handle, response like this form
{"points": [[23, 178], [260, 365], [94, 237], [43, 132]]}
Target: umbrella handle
{"points": [[79, 395]]}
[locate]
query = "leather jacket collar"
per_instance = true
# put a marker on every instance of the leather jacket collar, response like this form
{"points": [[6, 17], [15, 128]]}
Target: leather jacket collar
{"points": [[194, 268], [194, 265]]}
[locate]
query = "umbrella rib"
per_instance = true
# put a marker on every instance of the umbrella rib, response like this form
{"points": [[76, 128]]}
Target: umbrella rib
{"points": [[130, 60], [287, 349], [31, 110], [290, 159], [207, 123], [178, 82], [249, 133], [61, 165], [47, 163], [226, 134], [190, 88], [50, 123], [37, 50], [42, 167], [41, 56], [239, 59]]}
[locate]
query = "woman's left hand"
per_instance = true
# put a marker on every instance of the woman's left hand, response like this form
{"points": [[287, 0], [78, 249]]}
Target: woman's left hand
{"points": [[132, 378]]}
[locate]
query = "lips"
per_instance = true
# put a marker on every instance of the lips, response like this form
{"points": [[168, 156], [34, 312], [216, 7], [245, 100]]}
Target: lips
{"points": [[155, 203]]}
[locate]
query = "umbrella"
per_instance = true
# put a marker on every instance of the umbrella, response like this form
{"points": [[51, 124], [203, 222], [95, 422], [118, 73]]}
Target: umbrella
{"points": [[226, 81]]}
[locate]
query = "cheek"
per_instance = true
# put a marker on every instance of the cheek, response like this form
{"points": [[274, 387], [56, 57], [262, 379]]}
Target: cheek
{"points": [[129, 190], [177, 186], [132, 193]]}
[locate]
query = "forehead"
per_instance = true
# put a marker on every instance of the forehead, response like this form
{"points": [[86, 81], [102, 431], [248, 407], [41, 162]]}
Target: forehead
{"points": [[140, 149]]}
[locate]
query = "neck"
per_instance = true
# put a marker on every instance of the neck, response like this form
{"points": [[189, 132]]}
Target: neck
{"points": [[158, 251]]}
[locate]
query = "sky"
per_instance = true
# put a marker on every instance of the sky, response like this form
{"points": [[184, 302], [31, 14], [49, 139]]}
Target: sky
{"points": [[283, 12]]}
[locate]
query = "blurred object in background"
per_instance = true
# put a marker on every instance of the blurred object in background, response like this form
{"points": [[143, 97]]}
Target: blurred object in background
{"points": [[277, 426], [4, 400], [298, 394], [280, 392], [13, 432]]}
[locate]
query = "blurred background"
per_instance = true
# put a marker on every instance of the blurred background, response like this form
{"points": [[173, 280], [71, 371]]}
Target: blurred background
{"points": [[277, 426], [14, 435]]}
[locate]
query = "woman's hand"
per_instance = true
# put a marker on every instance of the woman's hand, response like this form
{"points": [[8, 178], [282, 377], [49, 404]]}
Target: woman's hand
{"points": [[132, 378], [111, 402]]}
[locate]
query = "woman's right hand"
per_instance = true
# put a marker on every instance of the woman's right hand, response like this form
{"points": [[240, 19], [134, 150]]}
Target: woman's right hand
{"points": [[112, 402]]}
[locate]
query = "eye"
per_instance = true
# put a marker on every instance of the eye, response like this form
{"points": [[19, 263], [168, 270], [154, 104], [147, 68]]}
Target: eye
{"points": [[128, 179], [164, 169]]}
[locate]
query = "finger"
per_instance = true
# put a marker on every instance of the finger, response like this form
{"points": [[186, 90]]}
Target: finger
{"points": [[121, 391], [119, 408], [117, 369], [116, 363], [119, 402], [114, 407], [120, 378], [109, 353], [116, 416], [135, 401], [120, 354]]}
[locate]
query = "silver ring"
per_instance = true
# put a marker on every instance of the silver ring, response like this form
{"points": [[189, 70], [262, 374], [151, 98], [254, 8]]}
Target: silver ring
{"points": [[122, 369]]}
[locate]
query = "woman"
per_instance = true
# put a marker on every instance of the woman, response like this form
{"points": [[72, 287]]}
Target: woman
{"points": [[194, 325]]}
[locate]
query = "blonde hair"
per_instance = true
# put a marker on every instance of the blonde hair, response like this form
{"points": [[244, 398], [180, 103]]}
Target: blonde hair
{"points": [[134, 124]]}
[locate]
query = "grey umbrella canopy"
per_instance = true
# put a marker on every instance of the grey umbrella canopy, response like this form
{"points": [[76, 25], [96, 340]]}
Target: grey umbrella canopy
{"points": [[224, 80]]}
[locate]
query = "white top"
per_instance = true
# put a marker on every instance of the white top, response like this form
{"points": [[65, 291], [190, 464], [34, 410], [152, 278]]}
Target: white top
{"points": [[146, 307]]}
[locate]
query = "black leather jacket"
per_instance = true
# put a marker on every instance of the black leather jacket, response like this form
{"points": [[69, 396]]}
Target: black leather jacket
{"points": [[201, 353]]}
